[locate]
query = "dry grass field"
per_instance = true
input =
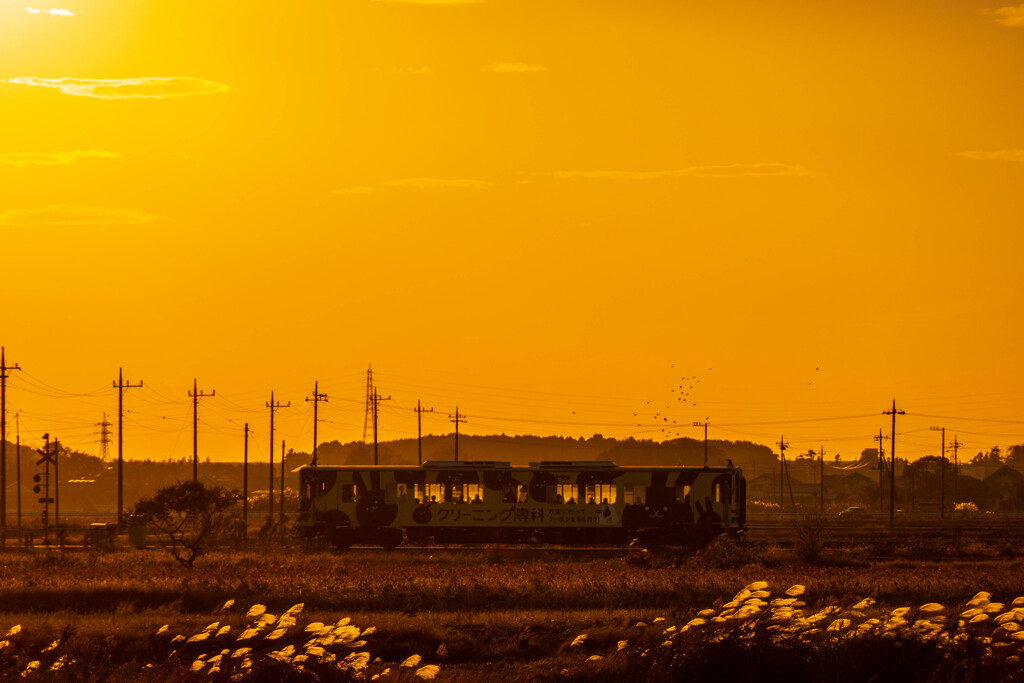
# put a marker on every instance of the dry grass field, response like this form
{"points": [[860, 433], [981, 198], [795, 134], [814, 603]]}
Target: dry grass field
{"points": [[495, 613]]}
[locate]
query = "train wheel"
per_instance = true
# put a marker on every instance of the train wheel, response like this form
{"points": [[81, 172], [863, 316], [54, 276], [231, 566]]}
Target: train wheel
{"points": [[341, 538], [390, 538]]}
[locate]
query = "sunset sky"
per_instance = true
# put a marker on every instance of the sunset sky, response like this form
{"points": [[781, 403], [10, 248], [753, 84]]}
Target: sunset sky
{"points": [[546, 213]]}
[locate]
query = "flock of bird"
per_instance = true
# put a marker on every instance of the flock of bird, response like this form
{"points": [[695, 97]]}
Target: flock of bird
{"points": [[684, 393]]}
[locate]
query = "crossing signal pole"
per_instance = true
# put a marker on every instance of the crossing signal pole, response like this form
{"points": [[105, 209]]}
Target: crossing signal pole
{"points": [[419, 431], [376, 398], [942, 473], [121, 387], [4, 368], [317, 397], [704, 424], [784, 471], [892, 459], [281, 501], [43, 480], [196, 395], [457, 418], [270, 491]]}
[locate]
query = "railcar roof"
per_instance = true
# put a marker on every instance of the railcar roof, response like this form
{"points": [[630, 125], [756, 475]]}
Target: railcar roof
{"points": [[435, 466]]}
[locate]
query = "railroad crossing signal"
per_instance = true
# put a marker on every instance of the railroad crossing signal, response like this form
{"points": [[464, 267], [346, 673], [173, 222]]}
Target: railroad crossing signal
{"points": [[48, 457]]}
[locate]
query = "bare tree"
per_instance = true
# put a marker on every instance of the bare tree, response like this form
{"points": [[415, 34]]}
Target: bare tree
{"points": [[185, 515]]}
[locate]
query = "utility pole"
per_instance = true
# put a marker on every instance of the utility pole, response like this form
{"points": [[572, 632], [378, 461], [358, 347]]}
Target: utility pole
{"points": [[782, 466], [376, 399], [419, 431], [317, 397], [121, 387], [4, 367], [881, 471], [270, 491], [17, 448], [956, 467], [942, 473], [281, 506], [821, 478], [245, 482], [892, 458], [704, 424], [457, 419], [196, 395]]}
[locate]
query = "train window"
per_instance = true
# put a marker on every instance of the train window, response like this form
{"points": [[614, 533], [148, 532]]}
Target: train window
{"points": [[600, 494], [682, 492], [348, 493], [435, 493], [634, 494], [421, 493], [472, 492], [510, 493], [395, 493], [718, 493], [567, 493]]}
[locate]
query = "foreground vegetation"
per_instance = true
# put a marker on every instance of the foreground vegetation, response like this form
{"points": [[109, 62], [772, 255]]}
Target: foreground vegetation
{"points": [[507, 613]]}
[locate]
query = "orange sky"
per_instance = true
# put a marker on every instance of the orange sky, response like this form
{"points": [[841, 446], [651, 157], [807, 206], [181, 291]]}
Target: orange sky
{"points": [[546, 213]]}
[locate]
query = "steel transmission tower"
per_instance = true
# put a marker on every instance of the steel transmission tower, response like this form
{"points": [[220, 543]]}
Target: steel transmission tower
{"points": [[368, 415], [105, 439]]}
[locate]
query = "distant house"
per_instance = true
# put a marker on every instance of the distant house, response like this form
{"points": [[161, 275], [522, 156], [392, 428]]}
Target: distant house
{"points": [[1003, 491], [848, 488]]}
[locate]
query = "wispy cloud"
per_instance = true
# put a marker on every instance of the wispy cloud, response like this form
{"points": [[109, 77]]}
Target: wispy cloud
{"points": [[996, 155], [52, 11], [730, 171], [1008, 16], [433, 2], [121, 88], [53, 158], [417, 184], [63, 214], [513, 68], [361, 189], [418, 70], [437, 183]]}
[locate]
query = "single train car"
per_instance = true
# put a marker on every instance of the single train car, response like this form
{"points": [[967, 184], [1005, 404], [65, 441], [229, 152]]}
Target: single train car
{"points": [[493, 502]]}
